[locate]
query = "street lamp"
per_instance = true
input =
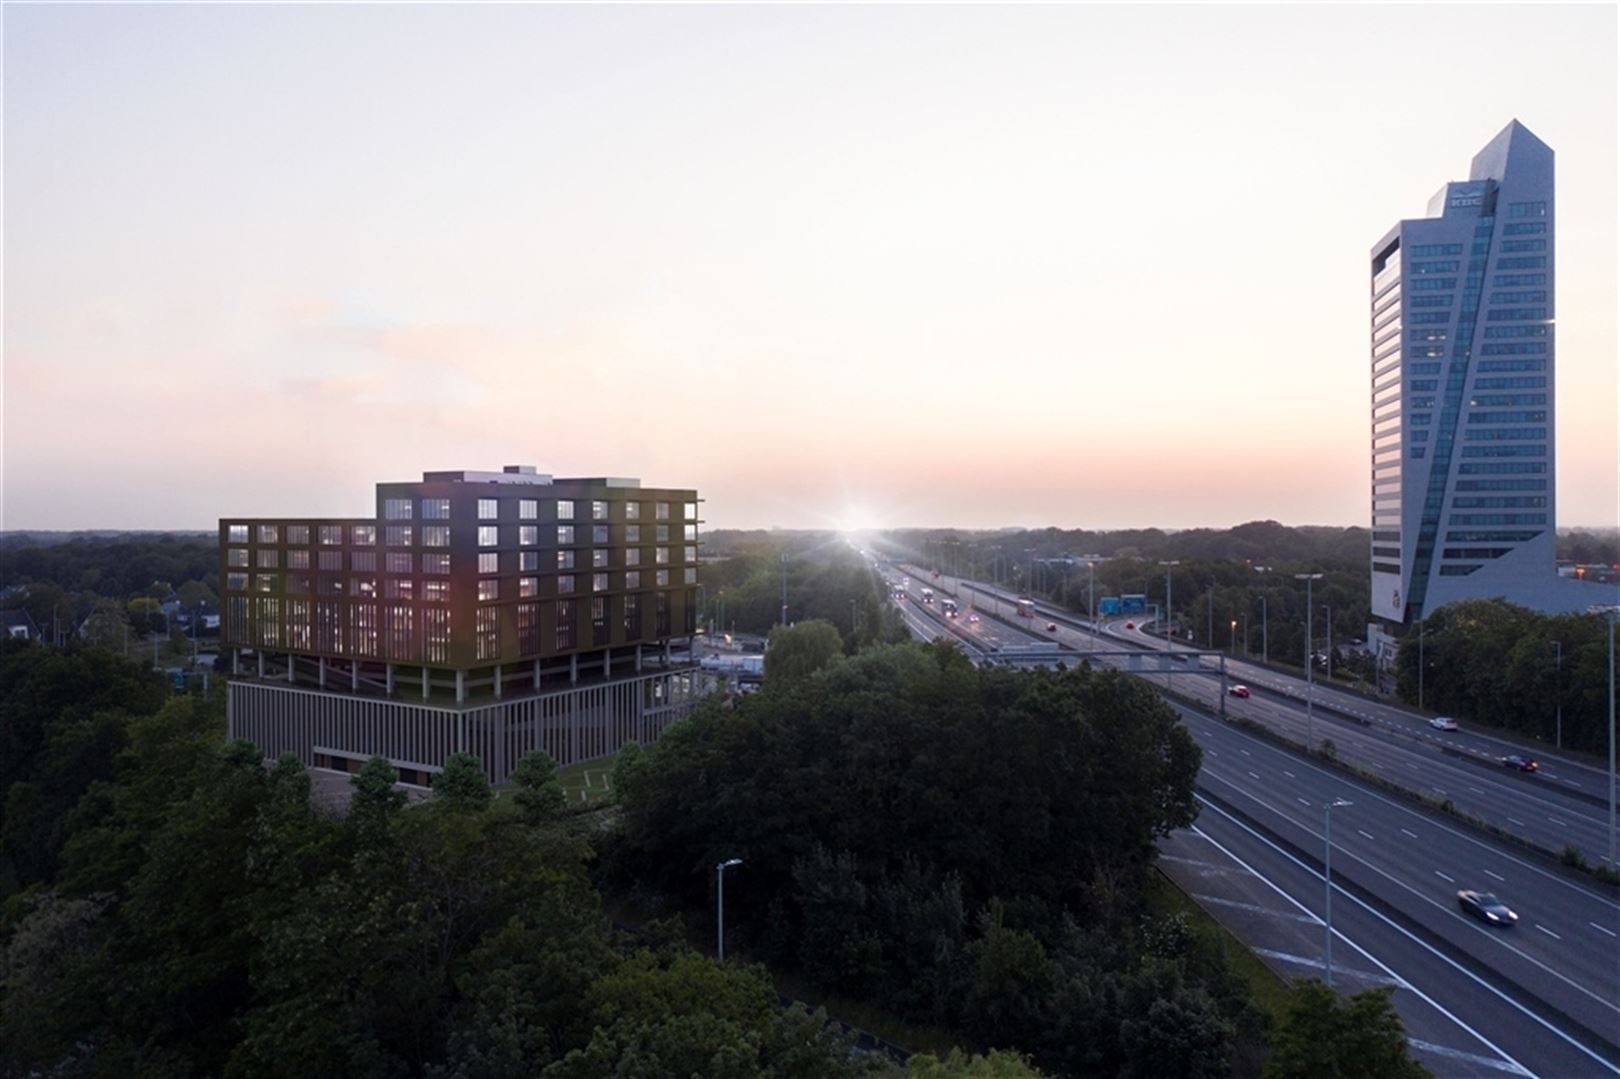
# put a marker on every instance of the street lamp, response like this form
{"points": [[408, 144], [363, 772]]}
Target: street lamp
{"points": [[1231, 641], [1327, 877], [1169, 599], [1329, 611], [720, 908], [1310, 667], [1558, 687], [1265, 633]]}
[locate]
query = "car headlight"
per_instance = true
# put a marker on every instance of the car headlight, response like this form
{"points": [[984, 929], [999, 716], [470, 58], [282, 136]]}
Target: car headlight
{"points": [[1492, 917]]}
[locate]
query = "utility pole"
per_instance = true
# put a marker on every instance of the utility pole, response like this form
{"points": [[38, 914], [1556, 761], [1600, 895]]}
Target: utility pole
{"points": [[784, 588], [1310, 664], [1169, 598], [1329, 609], [1265, 633]]}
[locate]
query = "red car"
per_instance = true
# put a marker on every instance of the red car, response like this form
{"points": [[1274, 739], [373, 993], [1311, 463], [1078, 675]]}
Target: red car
{"points": [[1130, 625], [1238, 691], [1523, 764]]}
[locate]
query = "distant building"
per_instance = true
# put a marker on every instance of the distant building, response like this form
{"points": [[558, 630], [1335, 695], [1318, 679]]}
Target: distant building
{"points": [[1462, 330], [489, 611], [18, 623]]}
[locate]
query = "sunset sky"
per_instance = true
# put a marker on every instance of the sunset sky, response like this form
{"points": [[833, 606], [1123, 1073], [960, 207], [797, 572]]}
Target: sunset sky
{"points": [[1089, 266]]}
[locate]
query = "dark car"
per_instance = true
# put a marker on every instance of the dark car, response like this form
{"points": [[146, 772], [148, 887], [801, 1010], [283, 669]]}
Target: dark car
{"points": [[1051, 627], [1523, 764], [1238, 691], [1130, 625], [1486, 907]]}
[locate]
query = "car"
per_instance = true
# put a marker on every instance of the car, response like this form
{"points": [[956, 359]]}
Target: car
{"points": [[974, 617], [1443, 723], [1051, 627], [1523, 764], [1486, 907], [1130, 625], [1238, 691]]}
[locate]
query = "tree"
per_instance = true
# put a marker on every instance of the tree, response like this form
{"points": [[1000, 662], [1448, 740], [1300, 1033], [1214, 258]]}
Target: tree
{"points": [[1323, 1036], [146, 616], [996, 1064], [794, 653], [375, 800], [539, 796], [462, 786]]}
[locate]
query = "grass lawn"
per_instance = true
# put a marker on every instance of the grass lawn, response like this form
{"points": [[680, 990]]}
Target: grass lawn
{"points": [[587, 782]]}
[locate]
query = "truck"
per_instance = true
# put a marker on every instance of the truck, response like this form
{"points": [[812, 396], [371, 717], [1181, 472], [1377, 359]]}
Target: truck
{"points": [[928, 596], [948, 606]]}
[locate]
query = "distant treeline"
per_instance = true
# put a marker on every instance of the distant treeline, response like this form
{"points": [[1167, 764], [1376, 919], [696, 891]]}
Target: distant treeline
{"points": [[118, 567]]}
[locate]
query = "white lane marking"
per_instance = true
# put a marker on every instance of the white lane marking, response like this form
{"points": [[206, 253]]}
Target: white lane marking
{"points": [[1600, 929], [1258, 909], [1245, 752], [1317, 964], [1302, 802], [1556, 821], [1442, 876], [1476, 790], [1471, 1058], [1515, 820], [1212, 753], [1470, 975], [1414, 835], [1369, 835], [1498, 876], [1402, 982], [1289, 774], [1255, 774], [1549, 932]]}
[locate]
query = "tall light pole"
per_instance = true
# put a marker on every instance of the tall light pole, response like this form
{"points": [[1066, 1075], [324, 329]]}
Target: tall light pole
{"points": [[784, 588], [1327, 877], [1329, 610], [1231, 641], [1265, 633], [1558, 698], [1310, 667], [1610, 612], [720, 906], [1169, 599]]}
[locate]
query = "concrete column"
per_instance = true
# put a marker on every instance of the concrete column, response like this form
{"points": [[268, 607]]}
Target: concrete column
{"points": [[390, 679], [497, 681], [321, 660], [607, 663], [461, 686], [425, 684], [292, 663], [573, 669], [537, 676], [354, 676], [236, 661], [259, 653], [638, 659]]}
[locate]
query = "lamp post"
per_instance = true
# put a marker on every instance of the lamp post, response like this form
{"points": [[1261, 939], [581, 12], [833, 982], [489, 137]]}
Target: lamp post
{"points": [[1609, 612], [1327, 877], [1265, 633], [1169, 599], [1329, 611], [720, 907], [1310, 667], [1231, 641], [1558, 698]]}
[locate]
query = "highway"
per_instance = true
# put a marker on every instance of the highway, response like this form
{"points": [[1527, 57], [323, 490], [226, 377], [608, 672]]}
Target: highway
{"points": [[1537, 999]]}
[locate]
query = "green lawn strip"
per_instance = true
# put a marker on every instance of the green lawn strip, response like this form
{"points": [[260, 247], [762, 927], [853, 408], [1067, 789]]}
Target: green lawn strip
{"points": [[587, 781], [1271, 991]]}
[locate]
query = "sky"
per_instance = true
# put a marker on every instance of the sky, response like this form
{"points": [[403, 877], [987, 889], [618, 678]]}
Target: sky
{"points": [[1085, 266]]}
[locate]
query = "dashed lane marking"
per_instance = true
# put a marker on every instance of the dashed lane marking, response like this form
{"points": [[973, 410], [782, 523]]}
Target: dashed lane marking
{"points": [[1414, 835], [1600, 929], [1309, 919], [1515, 820], [1369, 835], [1496, 876], [1470, 1058], [1549, 932], [1442, 876]]}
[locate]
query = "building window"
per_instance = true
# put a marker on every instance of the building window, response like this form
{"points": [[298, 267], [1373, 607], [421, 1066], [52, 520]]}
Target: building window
{"points": [[661, 555], [298, 583], [365, 561], [489, 509], [662, 535], [565, 559], [528, 535], [298, 627], [364, 535], [365, 586], [297, 534], [599, 582], [436, 620], [438, 564], [298, 559], [691, 511], [269, 619], [632, 618], [661, 614], [661, 511], [528, 628], [236, 582], [599, 557], [397, 509], [599, 534], [661, 578], [632, 556], [691, 554], [400, 562], [565, 509], [265, 582], [528, 561], [632, 579], [398, 535], [599, 622], [401, 631], [690, 575], [489, 562], [528, 586], [269, 534], [237, 533], [236, 556], [363, 628], [436, 591], [565, 584], [399, 588], [331, 560], [632, 511], [436, 509], [488, 627], [565, 625], [528, 509], [690, 533], [599, 511], [435, 535], [268, 558], [489, 588], [331, 535], [488, 536], [632, 533], [565, 535]]}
